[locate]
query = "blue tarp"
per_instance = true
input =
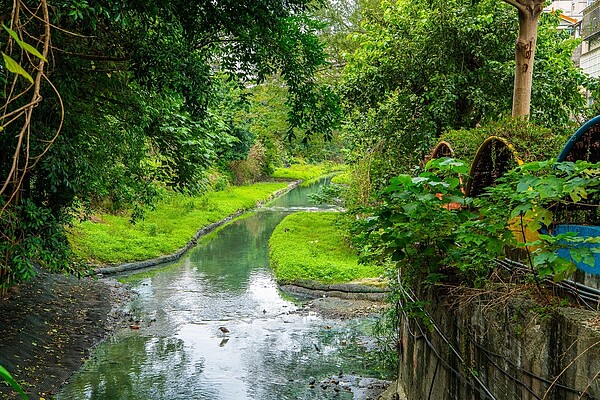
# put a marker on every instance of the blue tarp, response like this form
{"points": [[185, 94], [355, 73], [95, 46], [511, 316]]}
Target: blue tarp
{"points": [[584, 231]]}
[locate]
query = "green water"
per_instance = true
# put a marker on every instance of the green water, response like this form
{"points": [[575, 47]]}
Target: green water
{"points": [[274, 349]]}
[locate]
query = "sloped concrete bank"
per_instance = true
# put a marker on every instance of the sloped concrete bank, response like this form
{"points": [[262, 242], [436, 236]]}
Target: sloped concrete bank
{"points": [[131, 266], [348, 291], [503, 351]]}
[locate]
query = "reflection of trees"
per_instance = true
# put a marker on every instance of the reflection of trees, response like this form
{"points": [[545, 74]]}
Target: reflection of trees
{"points": [[227, 261], [138, 368], [292, 355], [299, 196]]}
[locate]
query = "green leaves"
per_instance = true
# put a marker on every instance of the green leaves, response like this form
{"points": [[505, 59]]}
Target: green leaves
{"points": [[423, 224], [7, 377], [540, 194], [15, 68], [12, 65], [25, 46], [428, 227]]}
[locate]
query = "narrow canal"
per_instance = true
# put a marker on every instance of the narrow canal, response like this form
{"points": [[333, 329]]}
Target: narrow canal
{"points": [[275, 348]]}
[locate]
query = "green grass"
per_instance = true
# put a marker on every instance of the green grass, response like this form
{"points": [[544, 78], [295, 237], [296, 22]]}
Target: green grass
{"points": [[344, 178], [306, 172], [166, 229], [139, 275], [310, 246]]}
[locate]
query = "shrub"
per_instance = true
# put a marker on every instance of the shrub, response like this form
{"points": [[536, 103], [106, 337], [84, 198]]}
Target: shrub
{"points": [[253, 168], [432, 231]]}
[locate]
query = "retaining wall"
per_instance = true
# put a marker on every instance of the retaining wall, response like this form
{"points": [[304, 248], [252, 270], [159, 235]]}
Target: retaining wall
{"points": [[488, 350]]}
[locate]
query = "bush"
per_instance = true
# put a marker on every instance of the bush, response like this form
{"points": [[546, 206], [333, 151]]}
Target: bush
{"points": [[432, 232], [253, 168]]}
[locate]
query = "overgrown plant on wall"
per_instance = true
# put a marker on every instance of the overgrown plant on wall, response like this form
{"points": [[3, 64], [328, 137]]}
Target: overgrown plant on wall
{"points": [[432, 232]]}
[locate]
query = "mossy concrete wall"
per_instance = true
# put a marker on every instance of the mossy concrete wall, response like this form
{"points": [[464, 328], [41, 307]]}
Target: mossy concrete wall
{"points": [[505, 350]]}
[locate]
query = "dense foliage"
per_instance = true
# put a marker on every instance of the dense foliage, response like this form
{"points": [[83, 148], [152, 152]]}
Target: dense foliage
{"points": [[145, 97], [531, 142], [431, 231], [422, 68]]}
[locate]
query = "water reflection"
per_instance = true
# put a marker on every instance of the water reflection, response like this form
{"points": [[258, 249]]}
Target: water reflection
{"points": [[273, 350]]}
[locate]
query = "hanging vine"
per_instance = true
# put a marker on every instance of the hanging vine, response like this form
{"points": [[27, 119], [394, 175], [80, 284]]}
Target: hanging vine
{"points": [[25, 44], [21, 90]]}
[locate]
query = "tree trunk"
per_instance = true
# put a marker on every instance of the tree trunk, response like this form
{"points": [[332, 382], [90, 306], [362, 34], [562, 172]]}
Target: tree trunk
{"points": [[524, 56], [529, 15]]}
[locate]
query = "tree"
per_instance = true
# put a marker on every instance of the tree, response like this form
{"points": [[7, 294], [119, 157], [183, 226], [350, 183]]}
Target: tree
{"points": [[416, 74], [529, 14], [139, 83]]}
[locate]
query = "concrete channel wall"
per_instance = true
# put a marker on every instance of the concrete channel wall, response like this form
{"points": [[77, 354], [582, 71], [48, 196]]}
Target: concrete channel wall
{"points": [[491, 349]]}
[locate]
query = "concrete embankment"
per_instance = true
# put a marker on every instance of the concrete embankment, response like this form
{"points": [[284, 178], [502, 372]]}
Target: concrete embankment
{"points": [[349, 291], [131, 266], [503, 349]]}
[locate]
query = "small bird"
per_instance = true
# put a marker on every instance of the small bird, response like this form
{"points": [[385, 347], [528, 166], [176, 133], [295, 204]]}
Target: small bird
{"points": [[224, 330]]}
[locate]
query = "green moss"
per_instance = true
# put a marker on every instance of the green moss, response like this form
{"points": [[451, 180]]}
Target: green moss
{"points": [[309, 245], [306, 172], [113, 239]]}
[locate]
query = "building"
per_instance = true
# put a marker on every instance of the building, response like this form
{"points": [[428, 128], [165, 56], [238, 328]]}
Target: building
{"points": [[590, 33]]}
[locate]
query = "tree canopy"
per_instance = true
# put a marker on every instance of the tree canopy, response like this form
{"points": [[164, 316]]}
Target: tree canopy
{"points": [[422, 68], [136, 91]]}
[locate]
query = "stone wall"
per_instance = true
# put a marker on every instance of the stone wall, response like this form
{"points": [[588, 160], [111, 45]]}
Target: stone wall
{"points": [[488, 349]]}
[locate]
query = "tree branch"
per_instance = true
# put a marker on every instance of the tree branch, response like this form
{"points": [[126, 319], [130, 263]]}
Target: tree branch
{"points": [[516, 4]]}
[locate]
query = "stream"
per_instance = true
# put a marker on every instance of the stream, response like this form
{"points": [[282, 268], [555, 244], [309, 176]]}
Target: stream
{"points": [[274, 346]]}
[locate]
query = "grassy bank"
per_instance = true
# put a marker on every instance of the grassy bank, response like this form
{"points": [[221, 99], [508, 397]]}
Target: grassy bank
{"points": [[306, 172], [113, 239], [310, 246]]}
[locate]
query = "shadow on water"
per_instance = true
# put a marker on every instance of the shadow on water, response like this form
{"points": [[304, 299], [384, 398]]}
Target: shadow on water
{"points": [[274, 348]]}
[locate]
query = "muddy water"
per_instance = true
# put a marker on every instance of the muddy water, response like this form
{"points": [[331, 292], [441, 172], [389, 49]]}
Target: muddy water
{"points": [[271, 347]]}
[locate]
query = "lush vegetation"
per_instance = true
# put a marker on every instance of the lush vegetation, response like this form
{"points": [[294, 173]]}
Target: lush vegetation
{"points": [[305, 172], [530, 142], [311, 246], [432, 232], [137, 97], [422, 68], [110, 238]]}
